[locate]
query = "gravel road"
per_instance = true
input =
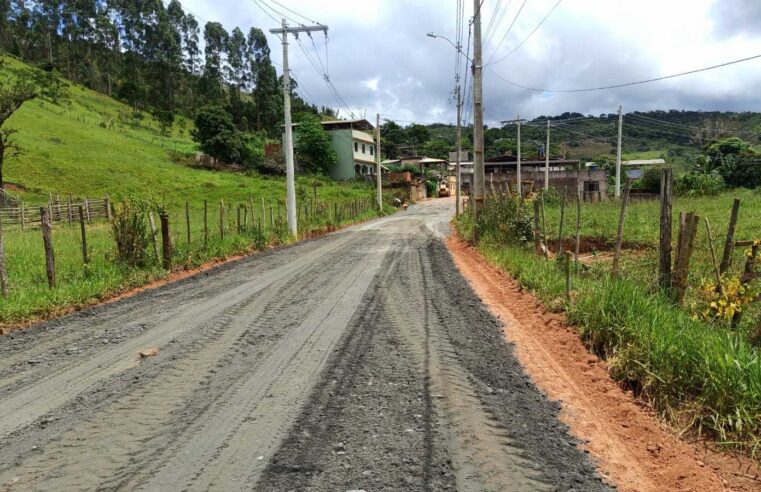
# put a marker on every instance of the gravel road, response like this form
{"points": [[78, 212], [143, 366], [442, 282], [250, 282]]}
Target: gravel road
{"points": [[357, 361]]}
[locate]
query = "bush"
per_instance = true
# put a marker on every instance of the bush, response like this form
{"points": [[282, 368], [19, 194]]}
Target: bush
{"points": [[218, 137], [313, 146], [130, 231], [505, 220], [650, 180], [695, 184]]}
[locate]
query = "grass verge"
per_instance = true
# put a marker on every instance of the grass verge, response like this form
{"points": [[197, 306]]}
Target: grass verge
{"points": [[697, 376]]}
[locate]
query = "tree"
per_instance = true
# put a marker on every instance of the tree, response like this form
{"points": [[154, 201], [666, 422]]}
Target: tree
{"points": [[218, 137], [313, 147], [24, 85], [417, 134], [213, 75], [392, 136]]}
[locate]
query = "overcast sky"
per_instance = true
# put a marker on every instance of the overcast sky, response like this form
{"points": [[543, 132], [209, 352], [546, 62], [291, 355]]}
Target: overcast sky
{"points": [[381, 61]]}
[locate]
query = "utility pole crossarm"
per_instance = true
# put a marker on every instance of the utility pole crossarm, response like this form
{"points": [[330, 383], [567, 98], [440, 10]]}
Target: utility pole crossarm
{"points": [[296, 30]]}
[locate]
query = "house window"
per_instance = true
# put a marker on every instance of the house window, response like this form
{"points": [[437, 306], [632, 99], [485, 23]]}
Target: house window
{"points": [[372, 150], [363, 148], [356, 146]]}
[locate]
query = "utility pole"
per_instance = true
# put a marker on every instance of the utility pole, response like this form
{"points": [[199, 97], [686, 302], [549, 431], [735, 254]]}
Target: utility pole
{"points": [[547, 160], [618, 150], [459, 151], [518, 168], [290, 201], [479, 174], [378, 170], [518, 122]]}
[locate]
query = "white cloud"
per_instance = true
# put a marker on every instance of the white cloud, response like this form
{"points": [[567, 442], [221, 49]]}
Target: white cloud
{"points": [[381, 61]]}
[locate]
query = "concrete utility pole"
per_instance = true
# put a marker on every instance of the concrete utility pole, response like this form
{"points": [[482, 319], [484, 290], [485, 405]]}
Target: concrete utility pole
{"points": [[618, 150], [290, 201], [547, 159], [378, 170], [459, 151], [479, 174], [518, 167]]}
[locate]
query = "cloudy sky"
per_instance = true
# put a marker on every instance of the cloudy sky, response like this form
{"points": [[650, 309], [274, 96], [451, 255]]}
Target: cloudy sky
{"points": [[381, 61]]}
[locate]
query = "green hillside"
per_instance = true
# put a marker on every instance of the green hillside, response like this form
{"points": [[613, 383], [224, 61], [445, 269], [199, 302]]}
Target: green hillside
{"points": [[92, 146]]}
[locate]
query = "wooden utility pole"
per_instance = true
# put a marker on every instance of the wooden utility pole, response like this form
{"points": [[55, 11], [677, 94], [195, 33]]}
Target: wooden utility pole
{"points": [[618, 150], [284, 30], [479, 174], [547, 159], [378, 169], [83, 232]]}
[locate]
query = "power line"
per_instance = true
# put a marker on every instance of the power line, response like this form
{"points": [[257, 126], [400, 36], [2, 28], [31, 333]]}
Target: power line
{"points": [[517, 14], [296, 13], [627, 84], [261, 7], [529, 35]]}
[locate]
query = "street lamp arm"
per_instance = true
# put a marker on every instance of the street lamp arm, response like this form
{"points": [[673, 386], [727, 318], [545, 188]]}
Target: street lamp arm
{"points": [[455, 46]]}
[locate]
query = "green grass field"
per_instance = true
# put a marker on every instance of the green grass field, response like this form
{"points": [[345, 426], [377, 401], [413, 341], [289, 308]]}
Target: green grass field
{"points": [[90, 146], [699, 375]]}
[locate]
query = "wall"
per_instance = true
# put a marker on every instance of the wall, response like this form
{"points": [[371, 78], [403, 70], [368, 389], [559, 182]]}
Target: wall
{"points": [[344, 147]]}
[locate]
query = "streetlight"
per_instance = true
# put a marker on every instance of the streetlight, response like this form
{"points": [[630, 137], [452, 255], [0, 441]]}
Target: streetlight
{"points": [[458, 188]]}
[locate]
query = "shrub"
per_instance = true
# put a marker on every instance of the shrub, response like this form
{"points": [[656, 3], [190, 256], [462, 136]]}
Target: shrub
{"points": [[505, 220], [695, 184], [130, 231]]}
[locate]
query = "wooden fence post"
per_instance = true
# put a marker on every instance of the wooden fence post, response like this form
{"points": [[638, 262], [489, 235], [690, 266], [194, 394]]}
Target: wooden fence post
{"points": [[568, 259], [272, 217], [23, 221], [664, 268], [717, 272], [187, 219], [537, 229], [87, 211], [729, 245], [264, 212], [107, 205], [206, 224], [238, 223], [166, 241], [621, 221], [83, 231], [68, 209], [245, 215], [222, 218], [559, 249], [3, 270], [47, 241], [154, 239], [685, 253], [578, 227]]}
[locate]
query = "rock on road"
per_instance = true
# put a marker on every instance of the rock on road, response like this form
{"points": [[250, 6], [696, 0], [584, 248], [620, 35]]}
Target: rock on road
{"points": [[359, 360]]}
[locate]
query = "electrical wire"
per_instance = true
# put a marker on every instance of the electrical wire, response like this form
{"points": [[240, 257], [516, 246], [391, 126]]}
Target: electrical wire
{"points": [[510, 28], [627, 84], [296, 13], [517, 47], [689, 127]]}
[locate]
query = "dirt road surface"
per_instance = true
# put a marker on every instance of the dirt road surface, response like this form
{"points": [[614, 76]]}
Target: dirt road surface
{"points": [[357, 361]]}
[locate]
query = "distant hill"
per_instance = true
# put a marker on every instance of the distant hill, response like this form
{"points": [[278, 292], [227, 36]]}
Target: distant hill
{"points": [[678, 136]]}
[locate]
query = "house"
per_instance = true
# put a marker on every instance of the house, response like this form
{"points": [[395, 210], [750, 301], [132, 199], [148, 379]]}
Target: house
{"points": [[354, 145], [634, 169], [565, 176]]}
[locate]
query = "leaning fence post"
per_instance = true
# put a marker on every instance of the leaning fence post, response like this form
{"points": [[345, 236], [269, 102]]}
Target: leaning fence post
{"points": [[726, 259], [166, 241], [154, 239], [222, 218], [187, 219], [537, 230], [685, 253], [578, 227], [47, 241], [717, 272], [568, 258], [206, 224], [3, 271], [664, 270], [83, 231], [68, 209], [560, 230], [621, 221]]}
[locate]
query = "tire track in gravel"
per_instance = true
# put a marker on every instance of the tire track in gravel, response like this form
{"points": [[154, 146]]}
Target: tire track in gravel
{"points": [[32, 401], [148, 415], [483, 458], [249, 420]]}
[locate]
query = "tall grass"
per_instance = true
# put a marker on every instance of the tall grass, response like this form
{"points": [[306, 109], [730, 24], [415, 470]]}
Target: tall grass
{"points": [[696, 375]]}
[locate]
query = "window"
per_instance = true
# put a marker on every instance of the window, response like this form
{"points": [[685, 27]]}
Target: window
{"points": [[372, 150], [363, 148]]}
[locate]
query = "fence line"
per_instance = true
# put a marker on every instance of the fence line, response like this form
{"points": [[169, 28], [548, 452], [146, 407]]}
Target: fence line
{"points": [[60, 211]]}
